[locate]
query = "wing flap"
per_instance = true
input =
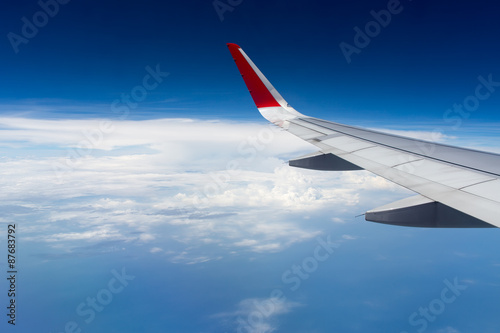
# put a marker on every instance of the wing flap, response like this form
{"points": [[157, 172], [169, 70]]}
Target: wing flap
{"points": [[348, 144], [391, 157], [489, 189], [445, 174]]}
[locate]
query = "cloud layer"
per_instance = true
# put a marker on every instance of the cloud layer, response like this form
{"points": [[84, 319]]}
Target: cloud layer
{"points": [[173, 185]]}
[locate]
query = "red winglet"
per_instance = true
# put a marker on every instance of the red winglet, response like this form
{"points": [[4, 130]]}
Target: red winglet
{"points": [[258, 90]]}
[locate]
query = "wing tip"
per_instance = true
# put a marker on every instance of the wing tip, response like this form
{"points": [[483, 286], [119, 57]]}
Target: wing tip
{"points": [[269, 102], [233, 45], [255, 81]]}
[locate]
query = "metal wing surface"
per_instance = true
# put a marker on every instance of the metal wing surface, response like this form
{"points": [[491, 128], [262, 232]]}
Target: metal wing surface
{"points": [[456, 187]]}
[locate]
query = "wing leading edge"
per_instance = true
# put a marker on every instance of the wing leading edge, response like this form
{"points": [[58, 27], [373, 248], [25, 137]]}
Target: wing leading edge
{"points": [[457, 187]]}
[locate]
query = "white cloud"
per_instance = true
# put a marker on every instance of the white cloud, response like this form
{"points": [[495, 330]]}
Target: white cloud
{"points": [[349, 237], [97, 234], [246, 242], [185, 183], [257, 315], [146, 237], [337, 220], [448, 329], [156, 250]]}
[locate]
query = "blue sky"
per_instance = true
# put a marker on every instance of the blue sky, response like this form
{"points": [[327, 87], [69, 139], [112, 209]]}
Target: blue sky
{"points": [[131, 201]]}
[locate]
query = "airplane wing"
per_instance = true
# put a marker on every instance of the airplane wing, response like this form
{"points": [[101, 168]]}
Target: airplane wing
{"points": [[457, 187]]}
